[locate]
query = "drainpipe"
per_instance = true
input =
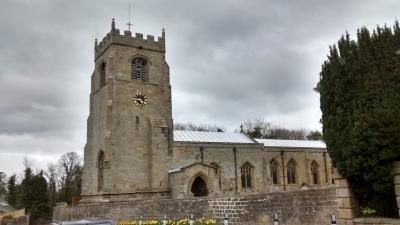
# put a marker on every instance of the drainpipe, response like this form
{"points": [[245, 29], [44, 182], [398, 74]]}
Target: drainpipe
{"points": [[283, 170], [236, 176], [325, 167], [308, 169]]}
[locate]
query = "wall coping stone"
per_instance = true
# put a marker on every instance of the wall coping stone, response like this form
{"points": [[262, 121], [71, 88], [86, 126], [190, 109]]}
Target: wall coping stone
{"points": [[373, 220]]}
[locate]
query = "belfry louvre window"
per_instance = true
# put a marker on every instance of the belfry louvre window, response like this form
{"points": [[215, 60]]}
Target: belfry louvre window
{"points": [[139, 69], [274, 171], [246, 171], [291, 172]]}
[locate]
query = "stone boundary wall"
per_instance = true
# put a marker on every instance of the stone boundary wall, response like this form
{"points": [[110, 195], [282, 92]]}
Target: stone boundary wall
{"points": [[348, 212], [375, 221], [15, 218], [308, 207]]}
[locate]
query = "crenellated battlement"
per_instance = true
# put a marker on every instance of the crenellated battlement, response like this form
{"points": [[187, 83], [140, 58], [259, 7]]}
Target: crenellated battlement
{"points": [[127, 39]]}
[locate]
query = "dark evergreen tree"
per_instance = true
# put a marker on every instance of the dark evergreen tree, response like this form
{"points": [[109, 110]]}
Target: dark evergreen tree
{"points": [[24, 191], [360, 99], [33, 195], [12, 191], [315, 136], [39, 207], [3, 184], [255, 132]]}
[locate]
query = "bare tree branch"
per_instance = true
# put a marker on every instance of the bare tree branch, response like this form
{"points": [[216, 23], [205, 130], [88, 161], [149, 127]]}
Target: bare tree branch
{"points": [[67, 166], [28, 163], [197, 127]]}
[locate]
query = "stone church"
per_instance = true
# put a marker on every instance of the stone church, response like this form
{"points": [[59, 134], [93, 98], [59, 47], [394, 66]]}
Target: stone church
{"points": [[133, 152]]}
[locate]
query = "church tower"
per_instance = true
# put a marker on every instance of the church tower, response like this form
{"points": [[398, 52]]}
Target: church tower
{"points": [[129, 128]]}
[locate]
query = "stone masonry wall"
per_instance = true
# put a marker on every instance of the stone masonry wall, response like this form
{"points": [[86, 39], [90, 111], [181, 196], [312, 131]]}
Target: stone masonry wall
{"points": [[308, 207], [259, 157]]}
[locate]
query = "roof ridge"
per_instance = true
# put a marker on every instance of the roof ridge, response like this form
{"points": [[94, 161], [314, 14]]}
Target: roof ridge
{"points": [[291, 143], [287, 139], [206, 131]]}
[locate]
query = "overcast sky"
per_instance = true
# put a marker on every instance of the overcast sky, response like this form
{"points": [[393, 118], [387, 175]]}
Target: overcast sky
{"points": [[230, 61]]}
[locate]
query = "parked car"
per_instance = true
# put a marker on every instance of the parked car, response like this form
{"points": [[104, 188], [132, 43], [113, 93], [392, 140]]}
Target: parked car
{"points": [[85, 222]]}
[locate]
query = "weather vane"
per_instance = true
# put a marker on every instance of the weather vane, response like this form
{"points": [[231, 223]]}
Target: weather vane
{"points": [[129, 20]]}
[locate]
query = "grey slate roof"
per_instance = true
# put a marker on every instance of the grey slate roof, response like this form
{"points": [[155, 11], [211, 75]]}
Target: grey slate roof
{"points": [[211, 137], [239, 138]]}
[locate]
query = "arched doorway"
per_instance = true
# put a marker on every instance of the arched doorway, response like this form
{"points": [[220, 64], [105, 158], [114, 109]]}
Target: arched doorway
{"points": [[199, 187]]}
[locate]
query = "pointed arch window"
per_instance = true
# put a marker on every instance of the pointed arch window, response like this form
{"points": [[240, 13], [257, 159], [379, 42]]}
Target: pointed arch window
{"points": [[274, 171], [314, 172], [100, 167], [246, 175], [291, 172], [139, 69]]}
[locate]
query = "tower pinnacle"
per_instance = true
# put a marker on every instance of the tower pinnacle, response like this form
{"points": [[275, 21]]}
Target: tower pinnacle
{"points": [[113, 25]]}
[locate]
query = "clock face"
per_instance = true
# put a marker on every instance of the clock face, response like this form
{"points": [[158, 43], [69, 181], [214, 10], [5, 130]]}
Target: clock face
{"points": [[140, 99]]}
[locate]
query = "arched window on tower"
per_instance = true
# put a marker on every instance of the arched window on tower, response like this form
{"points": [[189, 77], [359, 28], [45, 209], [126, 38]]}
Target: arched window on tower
{"points": [[246, 175], [102, 74], [273, 166], [291, 172], [100, 167], [314, 172], [139, 69]]}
